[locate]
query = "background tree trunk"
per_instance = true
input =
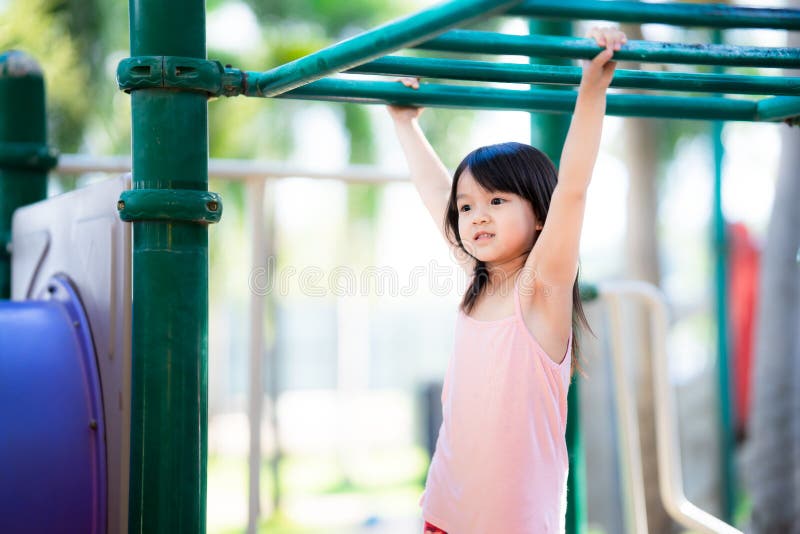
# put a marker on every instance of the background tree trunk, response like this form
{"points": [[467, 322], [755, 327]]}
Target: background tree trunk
{"points": [[772, 455]]}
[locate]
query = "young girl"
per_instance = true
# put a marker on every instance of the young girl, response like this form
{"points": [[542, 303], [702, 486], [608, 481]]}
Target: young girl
{"points": [[513, 223]]}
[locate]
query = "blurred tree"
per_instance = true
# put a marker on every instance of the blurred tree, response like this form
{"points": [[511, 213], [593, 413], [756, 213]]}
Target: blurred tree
{"points": [[772, 457]]}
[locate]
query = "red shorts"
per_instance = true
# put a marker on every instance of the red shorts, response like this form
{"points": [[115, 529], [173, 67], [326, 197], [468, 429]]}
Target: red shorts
{"points": [[433, 528]]}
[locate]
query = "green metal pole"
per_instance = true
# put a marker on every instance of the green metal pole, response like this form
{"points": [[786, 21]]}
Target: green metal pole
{"points": [[481, 42], [485, 71], [727, 441], [720, 246], [170, 285], [24, 157], [681, 14], [548, 133]]}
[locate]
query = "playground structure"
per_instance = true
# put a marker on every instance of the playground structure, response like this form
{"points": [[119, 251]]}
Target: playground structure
{"points": [[169, 206]]}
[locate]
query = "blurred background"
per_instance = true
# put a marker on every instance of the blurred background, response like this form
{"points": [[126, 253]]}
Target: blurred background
{"points": [[358, 292]]}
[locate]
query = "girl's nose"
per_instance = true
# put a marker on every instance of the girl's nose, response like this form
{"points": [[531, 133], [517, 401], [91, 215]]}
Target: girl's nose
{"points": [[480, 217]]}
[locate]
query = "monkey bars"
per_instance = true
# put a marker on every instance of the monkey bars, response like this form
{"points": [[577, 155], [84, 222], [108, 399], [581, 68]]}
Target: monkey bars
{"points": [[310, 77], [365, 54], [459, 96]]}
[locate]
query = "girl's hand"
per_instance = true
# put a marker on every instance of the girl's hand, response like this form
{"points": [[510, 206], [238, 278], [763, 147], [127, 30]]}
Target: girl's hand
{"points": [[597, 73], [405, 113]]}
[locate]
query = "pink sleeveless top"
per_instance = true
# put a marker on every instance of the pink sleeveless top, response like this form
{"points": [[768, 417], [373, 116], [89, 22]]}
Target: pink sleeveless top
{"points": [[501, 459]]}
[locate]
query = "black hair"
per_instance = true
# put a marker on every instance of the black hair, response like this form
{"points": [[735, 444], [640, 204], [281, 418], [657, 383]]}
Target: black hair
{"points": [[528, 173]]}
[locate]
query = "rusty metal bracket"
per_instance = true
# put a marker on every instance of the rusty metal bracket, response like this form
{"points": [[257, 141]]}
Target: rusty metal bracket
{"points": [[180, 73]]}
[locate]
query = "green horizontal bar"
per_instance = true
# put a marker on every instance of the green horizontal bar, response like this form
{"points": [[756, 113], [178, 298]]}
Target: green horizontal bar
{"points": [[27, 156], [453, 96], [380, 41], [459, 69], [779, 108], [476, 42], [680, 14]]}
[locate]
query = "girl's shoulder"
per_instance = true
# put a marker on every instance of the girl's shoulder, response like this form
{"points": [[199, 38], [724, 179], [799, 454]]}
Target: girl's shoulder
{"points": [[547, 313]]}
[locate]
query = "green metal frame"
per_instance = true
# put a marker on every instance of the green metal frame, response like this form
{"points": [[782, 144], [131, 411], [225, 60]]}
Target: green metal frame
{"points": [[461, 96], [231, 82], [210, 77], [485, 71], [25, 157], [378, 42], [481, 42], [680, 14], [170, 81]]}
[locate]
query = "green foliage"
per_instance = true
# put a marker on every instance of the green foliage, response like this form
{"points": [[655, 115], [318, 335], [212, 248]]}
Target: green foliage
{"points": [[448, 130], [358, 125], [362, 199], [335, 16]]}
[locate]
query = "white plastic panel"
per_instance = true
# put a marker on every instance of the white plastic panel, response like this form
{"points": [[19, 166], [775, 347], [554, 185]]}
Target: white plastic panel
{"points": [[81, 235]]}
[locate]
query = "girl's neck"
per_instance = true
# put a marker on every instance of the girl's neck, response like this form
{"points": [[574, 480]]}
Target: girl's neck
{"points": [[505, 273]]}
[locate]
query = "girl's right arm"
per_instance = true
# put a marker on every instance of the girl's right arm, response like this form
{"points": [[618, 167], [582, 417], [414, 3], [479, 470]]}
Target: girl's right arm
{"points": [[428, 173]]}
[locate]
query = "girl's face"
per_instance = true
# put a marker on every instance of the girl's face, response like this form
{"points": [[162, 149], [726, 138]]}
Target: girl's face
{"points": [[494, 226]]}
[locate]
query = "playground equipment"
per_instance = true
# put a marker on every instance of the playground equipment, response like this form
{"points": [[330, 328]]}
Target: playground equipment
{"points": [[66, 364], [667, 434], [169, 206]]}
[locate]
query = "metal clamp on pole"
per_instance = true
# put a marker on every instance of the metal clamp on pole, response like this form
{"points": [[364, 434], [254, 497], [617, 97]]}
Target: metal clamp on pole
{"points": [[182, 73], [173, 205], [170, 72]]}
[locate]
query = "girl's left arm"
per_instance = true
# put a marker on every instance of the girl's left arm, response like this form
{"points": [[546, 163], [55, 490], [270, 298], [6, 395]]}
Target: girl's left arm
{"points": [[554, 257]]}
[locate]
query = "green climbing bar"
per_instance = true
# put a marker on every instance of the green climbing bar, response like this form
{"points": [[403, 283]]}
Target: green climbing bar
{"points": [[484, 71], [170, 285], [481, 42], [460, 96], [680, 14], [384, 39]]}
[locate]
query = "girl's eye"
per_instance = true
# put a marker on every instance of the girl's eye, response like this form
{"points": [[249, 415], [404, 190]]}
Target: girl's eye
{"points": [[497, 201], [465, 207]]}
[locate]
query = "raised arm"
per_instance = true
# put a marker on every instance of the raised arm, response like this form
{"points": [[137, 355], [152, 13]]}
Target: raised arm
{"points": [[555, 255], [428, 174]]}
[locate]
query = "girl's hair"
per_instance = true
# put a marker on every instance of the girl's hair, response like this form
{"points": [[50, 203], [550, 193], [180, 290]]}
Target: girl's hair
{"points": [[528, 173]]}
